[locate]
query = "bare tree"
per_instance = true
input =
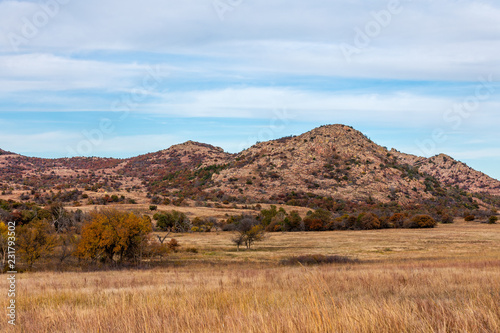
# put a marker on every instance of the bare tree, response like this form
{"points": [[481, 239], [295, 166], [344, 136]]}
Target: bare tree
{"points": [[248, 231], [239, 239], [162, 239]]}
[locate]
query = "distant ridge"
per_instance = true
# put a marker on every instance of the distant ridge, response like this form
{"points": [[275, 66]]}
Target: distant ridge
{"points": [[331, 161]]}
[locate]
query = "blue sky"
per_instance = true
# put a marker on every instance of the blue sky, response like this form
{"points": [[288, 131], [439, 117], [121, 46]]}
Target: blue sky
{"points": [[121, 78]]}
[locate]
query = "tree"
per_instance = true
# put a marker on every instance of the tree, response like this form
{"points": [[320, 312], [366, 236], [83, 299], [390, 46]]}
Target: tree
{"points": [[367, 221], [114, 236], [34, 241], [255, 234], [267, 215], [293, 222], [68, 243], [317, 220], [238, 240], [4, 236], [248, 231], [60, 218], [174, 220]]}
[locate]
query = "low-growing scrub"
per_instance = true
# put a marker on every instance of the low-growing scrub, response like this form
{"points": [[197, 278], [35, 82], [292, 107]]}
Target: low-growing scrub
{"points": [[318, 259]]}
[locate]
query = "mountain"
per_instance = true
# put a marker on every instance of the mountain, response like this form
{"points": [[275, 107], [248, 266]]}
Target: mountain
{"points": [[329, 164], [339, 161]]}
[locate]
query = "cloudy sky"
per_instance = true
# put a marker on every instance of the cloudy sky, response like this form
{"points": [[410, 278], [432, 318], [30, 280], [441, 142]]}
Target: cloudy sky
{"points": [[121, 78]]}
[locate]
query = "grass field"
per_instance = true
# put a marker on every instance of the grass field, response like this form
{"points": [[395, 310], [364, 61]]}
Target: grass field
{"points": [[439, 280]]}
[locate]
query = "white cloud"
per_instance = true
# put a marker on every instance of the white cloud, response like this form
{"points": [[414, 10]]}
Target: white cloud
{"points": [[435, 40], [61, 143], [91, 53]]}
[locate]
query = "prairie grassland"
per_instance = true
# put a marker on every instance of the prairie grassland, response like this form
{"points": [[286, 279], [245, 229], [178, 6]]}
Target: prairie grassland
{"points": [[441, 280]]}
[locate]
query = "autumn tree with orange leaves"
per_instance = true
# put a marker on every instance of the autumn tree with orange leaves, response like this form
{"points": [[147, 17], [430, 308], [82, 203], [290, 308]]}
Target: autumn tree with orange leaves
{"points": [[114, 236]]}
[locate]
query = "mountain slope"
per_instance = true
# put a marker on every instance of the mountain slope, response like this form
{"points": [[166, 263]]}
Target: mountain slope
{"points": [[330, 163], [339, 161]]}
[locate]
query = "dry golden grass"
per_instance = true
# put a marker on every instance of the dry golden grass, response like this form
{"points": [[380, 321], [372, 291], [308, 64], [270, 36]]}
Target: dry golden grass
{"points": [[441, 280]]}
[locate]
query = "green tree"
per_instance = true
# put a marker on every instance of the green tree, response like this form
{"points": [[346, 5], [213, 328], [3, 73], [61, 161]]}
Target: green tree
{"points": [[174, 221], [293, 222], [267, 215]]}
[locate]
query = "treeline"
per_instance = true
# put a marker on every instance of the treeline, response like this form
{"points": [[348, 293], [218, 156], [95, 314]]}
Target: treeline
{"points": [[54, 238], [274, 220]]}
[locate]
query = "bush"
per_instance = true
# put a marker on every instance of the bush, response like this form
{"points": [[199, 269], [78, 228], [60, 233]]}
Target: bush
{"points": [[191, 250], [367, 221], [422, 221], [493, 219], [313, 224], [446, 219], [173, 245], [153, 207], [397, 220], [317, 220], [470, 218]]}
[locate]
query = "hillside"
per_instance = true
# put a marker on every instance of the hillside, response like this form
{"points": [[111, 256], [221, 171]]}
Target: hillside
{"points": [[339, 161], [323, 167]]}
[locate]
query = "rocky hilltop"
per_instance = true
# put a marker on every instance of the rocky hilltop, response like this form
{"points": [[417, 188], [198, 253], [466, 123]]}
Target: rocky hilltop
{"points": [[339, 161], [334, 162]]}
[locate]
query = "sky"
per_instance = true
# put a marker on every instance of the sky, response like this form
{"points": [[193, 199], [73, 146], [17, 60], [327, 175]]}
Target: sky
{"points": [[121, 78]]}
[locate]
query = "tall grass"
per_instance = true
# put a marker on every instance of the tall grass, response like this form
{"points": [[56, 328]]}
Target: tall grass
{"points": [[442, 280], [452, 297]]}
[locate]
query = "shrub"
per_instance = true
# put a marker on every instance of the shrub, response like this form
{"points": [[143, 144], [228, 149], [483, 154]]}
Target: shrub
{"points": [[397, 220], [367, 221], [317, 220], [469, 218], [156, 250], [447, 219], [318, 259], [422, 221], [493, 219], [173, 245], [313, 224], [153, 207]]}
